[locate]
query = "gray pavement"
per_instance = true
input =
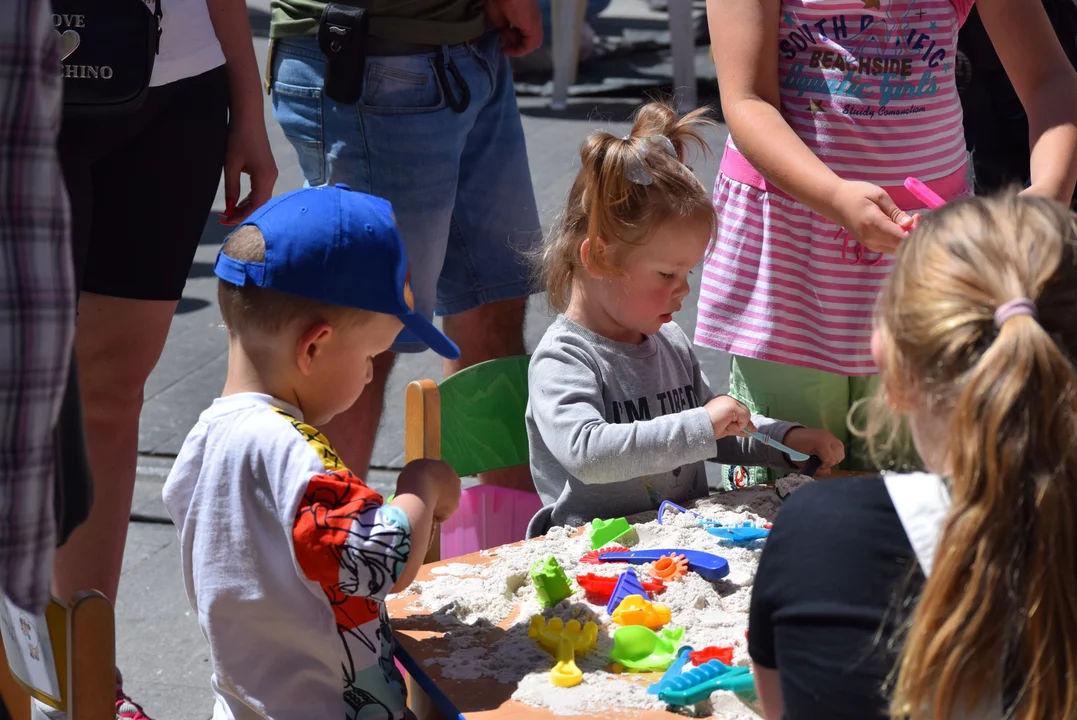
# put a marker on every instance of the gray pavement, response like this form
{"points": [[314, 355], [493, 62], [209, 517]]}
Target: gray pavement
{"points": [[160, 648]]}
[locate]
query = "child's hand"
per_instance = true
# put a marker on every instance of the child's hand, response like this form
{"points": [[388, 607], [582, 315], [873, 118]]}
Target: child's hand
{"points": [[817, 442], [871, 217], [436, 483], [728, 416], [447, 484], [428, 492]]}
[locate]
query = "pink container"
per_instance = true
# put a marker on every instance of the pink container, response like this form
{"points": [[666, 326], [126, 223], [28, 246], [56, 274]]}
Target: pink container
{"points": [[488, 516]]}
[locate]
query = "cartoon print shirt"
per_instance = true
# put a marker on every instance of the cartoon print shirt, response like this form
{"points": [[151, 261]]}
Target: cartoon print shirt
{"points": [[869, 85], [287, 559], [616, 428]]}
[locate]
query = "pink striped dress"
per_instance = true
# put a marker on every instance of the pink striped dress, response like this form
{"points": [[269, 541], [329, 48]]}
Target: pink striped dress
{"points": [[868, 85]]}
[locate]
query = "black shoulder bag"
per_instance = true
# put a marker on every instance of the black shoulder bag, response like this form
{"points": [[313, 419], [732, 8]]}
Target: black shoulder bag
{"points": [[108, 49]]}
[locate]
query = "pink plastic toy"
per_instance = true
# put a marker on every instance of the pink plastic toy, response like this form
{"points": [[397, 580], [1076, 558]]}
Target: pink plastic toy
{"points": [[488, 516], [923, 193]]}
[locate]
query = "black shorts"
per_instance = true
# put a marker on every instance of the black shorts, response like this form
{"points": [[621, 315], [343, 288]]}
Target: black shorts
{"points": [[141, 186]]}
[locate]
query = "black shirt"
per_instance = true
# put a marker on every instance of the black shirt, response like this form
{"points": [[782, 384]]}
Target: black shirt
{"points": [[835, 571]]}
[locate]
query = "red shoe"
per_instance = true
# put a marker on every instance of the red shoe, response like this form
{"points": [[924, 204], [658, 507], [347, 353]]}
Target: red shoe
{"points": [[128, 709]]}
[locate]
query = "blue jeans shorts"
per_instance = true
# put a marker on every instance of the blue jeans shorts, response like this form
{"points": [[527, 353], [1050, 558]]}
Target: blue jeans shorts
{"points": [[459, 182]]}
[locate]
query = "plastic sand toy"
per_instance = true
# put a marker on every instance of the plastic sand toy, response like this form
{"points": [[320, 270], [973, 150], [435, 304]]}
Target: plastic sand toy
{"points": [[551, 583], [603, 586], [591, 558], [604, 532], [563, 642], [670, 567], [794, 455], [923, 193], [785, 486], [674, 670], [637, 610], [640, 648], [706, 565], [627, 584], [667, 508], [721, 654], [745, 532], [697, 684]]}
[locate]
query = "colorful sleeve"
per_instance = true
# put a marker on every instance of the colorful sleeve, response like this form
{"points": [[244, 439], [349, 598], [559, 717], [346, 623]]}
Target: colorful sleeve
{"points": [[346, 540]]}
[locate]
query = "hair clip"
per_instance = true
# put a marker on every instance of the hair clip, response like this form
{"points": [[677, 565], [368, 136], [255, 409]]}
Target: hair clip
{"points": [[662, 142], [637, 171]]}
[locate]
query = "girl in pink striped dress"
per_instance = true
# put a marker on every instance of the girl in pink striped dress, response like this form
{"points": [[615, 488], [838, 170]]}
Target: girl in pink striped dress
{"points": [[830, 105]]}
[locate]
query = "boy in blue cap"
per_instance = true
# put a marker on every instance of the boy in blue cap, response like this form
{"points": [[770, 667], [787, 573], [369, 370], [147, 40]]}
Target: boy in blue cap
{"points": [[287, 555]]}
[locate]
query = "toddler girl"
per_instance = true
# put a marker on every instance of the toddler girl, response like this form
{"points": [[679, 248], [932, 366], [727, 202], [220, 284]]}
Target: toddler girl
{"points": [[831, 105], [619, 415]]}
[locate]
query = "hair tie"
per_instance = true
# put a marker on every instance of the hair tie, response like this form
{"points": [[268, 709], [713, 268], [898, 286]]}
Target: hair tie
{"points": [[1013, 308]]}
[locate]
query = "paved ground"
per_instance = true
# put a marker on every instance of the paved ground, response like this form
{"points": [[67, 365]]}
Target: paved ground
{"points": [[160, 648]]}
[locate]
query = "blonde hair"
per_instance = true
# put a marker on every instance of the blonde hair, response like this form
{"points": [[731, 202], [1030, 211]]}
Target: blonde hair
{"points": [[999, 610], [268, 311], [605, 203]]}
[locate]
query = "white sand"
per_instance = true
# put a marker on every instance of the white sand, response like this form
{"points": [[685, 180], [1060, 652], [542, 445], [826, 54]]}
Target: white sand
{"points": [[469, 601]]}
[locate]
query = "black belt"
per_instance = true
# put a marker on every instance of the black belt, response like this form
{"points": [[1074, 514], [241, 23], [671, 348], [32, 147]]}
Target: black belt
{"points": [[344, 38], [391, 48]]}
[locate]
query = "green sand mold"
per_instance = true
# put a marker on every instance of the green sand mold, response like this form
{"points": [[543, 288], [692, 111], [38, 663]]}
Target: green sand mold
{"points": [[640, 648], [603, 532], [551, 583]]}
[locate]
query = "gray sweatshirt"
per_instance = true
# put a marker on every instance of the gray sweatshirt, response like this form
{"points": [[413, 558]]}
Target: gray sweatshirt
{"points": [[615, 428]]}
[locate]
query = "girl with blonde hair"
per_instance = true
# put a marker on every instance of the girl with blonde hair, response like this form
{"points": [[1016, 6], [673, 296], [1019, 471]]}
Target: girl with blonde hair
{"points": [[972, 569]]}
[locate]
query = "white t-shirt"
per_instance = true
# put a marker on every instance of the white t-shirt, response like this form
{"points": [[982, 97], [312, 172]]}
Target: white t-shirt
{"points": [[287, 559], [189, 45]]}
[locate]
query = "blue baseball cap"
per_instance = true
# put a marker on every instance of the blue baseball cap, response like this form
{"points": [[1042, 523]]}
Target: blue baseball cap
{"points": [[339, 247]]}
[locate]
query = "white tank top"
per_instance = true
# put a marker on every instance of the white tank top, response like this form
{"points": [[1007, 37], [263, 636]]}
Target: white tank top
{"points": [[189, 45]]}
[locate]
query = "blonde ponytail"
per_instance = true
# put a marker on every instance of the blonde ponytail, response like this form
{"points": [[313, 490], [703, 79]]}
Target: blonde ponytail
{"points": [[1000, 608]]}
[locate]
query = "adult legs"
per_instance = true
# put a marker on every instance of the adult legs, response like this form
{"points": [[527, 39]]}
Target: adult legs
{"points": [[141, 189], [112, 372]]}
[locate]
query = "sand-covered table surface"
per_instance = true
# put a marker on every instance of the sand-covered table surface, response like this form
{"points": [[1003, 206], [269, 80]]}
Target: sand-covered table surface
{"points": [[465, 620]]}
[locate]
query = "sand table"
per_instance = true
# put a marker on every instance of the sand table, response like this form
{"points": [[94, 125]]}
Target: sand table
{"points": [[484, 611]]}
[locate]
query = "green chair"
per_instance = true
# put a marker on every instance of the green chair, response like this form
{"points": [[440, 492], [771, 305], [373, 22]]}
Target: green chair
{"points": [[473, 420]]}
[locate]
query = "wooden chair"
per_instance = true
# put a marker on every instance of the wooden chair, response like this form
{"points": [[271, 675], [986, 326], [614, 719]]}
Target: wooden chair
{"points": [[473, 420], [82, 637]]}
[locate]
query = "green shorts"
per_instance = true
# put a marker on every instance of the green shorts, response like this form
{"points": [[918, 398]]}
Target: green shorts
{"points": [[813, 398]]}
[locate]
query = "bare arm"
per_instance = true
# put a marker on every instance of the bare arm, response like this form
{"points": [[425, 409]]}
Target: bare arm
{"points": [[248, 144], [768, 687], [233, 30], [1045, 82], [744, 40], [421, 517], [428, 491], [345, 537]]}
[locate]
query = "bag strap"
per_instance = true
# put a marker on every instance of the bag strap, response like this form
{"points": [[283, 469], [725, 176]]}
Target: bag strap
{"points": [[158, 13]]}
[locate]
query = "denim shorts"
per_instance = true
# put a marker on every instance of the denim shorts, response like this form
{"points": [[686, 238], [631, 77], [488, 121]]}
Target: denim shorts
{"points": [[459, 182]]}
